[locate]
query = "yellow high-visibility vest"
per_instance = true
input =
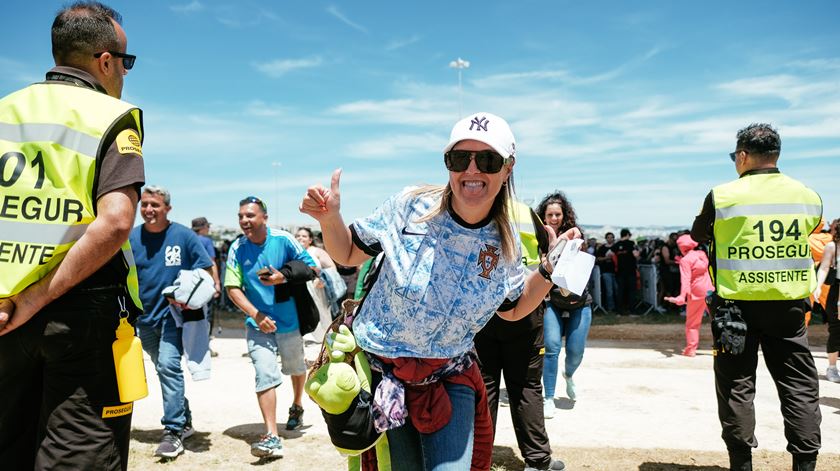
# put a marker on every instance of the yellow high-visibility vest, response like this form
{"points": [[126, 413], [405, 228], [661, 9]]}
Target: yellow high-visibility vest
{"points": [[761, 229], [51, 140], [523, 219]]}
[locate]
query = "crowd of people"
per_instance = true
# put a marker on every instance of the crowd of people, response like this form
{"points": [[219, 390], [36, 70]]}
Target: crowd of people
{"points": [[458, 290]]}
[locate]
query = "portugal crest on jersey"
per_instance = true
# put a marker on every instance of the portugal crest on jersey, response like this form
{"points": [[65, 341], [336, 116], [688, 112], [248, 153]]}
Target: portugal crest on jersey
{"points": [[488, 258]]}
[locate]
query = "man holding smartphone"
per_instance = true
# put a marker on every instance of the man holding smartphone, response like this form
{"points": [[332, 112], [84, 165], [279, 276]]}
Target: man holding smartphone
{"points": [[260, 269]]}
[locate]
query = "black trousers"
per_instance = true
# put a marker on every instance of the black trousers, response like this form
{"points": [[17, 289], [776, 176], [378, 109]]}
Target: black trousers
{"points": [[516, 348], [626, 298], [779, 328], [833, 343], [57, 381]]}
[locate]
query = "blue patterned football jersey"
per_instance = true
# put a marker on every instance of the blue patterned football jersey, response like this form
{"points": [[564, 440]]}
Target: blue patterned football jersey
{"points": [[440, 281]]}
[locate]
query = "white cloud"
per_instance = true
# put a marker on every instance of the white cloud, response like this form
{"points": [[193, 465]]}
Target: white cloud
{"points": [[280, 67], [658, 107], [401, 43], [832, 153], [620, 70], [516, 79], [508, 79], [404, 111], [334, 11], [236, 16], [817, 64], [790, 88], [192, 7], [396, 146], [20, 73], [264, 110], [826, 128]]}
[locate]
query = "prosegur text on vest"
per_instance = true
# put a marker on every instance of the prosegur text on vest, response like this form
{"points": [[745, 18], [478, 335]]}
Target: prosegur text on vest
{"points": [[768, 251], [36, 208]]}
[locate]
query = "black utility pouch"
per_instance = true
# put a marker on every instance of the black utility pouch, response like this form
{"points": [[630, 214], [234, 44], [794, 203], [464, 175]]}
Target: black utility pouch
{"points": [[728, 327]]}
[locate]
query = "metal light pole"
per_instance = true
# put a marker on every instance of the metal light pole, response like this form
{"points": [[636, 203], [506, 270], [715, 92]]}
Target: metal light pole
{"points": [[459, 64]]}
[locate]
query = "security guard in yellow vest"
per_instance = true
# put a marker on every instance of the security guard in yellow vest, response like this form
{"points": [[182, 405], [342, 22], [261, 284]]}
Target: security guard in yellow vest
{"points": [[70, 170], [763, 273], [516, 349]]}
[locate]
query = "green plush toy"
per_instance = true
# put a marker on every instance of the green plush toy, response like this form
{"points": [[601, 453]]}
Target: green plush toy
{"points": [[336, 384]]}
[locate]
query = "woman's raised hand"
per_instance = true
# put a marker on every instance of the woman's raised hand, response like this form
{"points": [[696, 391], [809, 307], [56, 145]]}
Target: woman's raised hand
{"points": [[553, 240], [322, 203]]}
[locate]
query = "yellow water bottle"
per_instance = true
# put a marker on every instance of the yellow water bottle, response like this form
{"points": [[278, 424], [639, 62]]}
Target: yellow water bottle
{"points": [[128, 360]]}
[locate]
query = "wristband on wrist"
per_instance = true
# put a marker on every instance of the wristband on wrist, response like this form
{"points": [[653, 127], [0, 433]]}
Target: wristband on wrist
{"points": [[545, 274]]}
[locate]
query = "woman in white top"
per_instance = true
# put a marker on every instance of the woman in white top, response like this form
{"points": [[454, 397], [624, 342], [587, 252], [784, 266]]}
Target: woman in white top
{"points": [[316, 287], [829, 262]]}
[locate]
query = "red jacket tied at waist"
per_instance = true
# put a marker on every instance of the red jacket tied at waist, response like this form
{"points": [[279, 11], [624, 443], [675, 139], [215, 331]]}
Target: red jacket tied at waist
{"points": [[430, 409]]}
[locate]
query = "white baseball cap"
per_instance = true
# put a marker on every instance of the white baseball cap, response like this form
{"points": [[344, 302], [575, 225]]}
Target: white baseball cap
{"points": [[487, 128]]}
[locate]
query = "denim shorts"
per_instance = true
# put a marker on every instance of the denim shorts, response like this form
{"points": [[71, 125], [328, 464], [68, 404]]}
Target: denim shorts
{"points": [[263, 349]]}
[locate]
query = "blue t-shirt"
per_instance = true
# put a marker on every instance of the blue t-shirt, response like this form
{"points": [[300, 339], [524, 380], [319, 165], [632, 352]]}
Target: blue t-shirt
{"points": [[246, 258], [207, 243], [440, 282], [159, 257]]}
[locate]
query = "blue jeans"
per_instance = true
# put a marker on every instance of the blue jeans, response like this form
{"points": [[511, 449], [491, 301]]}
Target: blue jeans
{"points": [[163, 344], [610, 288], [576, 329], [448, 449]]}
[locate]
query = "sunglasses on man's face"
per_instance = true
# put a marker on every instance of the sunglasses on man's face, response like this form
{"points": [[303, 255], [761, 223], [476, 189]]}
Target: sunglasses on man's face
{"points": [[128, 59], [255, 200], [734, 155], [487, 161]]}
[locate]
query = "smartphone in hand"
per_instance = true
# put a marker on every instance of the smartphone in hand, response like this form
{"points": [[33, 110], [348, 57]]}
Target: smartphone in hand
{"points": [[264, 272], [555, 253]]}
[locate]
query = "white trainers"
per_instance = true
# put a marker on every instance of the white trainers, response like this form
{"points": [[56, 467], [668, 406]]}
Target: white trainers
{"points": [[570, 387], [832, 375], [548, 407]]}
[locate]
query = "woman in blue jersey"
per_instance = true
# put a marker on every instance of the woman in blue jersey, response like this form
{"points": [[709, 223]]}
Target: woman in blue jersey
{"points": [[451, 261]]}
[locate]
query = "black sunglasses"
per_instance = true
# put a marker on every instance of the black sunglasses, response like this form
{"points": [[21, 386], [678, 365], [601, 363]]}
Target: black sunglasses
{"points": [[487, 161], [733, 155], [255, 200], [128, 59]]}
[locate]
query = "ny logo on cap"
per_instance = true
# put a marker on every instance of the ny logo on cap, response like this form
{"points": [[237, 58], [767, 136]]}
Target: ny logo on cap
{"points": [[479, 123]]}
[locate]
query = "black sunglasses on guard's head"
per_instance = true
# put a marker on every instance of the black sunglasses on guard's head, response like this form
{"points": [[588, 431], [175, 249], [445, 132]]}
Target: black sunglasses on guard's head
{"points": [[487, 161], [255, 200], [128, 59]]}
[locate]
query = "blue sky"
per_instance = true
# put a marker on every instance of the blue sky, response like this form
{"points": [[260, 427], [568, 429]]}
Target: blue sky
{"points": [[628, 107]]}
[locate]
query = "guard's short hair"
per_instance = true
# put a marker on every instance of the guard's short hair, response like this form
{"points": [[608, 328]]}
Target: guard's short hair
{"points": [[760, 139], [82, 29], [158, 190]]}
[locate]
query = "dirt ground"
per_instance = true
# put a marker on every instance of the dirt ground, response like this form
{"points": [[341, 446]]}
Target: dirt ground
{"points": [[206, 451], [641, 407]]}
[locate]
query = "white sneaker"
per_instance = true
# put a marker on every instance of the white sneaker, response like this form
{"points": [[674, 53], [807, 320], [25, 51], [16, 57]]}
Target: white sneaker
{"points": [[832, 375], [570, 387], [548, 407]]}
